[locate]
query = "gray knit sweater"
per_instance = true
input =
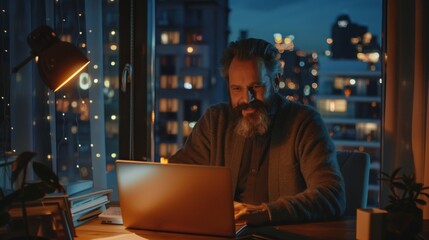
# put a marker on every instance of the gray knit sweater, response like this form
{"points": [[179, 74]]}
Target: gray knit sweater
{"points": [[305, 183]]}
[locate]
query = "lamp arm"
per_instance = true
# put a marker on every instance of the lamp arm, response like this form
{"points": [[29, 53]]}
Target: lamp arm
{"points": [[25, 61]]}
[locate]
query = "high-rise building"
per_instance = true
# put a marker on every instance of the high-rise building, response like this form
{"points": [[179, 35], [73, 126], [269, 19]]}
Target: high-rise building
{"points": [[349, 101], [298, 81], [345, 38], [349, 94], [345, 86], [190, 38]]}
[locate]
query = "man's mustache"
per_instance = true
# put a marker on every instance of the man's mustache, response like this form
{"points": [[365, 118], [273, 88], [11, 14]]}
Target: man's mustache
{"points": [[256, 104]]}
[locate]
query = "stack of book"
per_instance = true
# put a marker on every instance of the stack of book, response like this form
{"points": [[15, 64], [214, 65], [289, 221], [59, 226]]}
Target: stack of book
{"points": [[88, 204]]}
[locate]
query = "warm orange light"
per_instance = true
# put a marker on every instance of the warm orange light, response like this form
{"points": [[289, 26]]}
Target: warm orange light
{"points": [[163, 160], [71, 76]]}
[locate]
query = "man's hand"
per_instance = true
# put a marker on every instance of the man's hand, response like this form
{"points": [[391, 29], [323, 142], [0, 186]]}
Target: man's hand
{"points": [[251, 214]]}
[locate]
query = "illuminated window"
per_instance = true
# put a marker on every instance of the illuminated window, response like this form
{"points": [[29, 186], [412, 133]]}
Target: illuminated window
{"points": [[193, 61], [172, 127], [193, 82], [168, 81], [367, 132], [332, 106], [194, 37], [170, 37], [168, 105], [167, 149]]}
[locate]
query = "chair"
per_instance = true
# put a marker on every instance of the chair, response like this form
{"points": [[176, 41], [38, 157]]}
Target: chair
{"points": [[355, 168]]}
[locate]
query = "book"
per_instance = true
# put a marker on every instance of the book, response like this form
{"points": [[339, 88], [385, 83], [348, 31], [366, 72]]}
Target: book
{"points": [[75, 198], [84, 217], [88, 204], [112, 215]]}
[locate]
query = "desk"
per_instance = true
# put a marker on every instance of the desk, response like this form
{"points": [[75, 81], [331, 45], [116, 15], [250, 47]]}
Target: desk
{"points": [[344, 229]]}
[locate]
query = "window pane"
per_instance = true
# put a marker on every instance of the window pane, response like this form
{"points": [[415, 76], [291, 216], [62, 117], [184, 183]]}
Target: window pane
{"points": [[331, 63], [75, 130]]}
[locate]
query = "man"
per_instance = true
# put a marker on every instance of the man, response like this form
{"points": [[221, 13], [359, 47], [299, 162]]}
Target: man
{"points": [[283, 162]]}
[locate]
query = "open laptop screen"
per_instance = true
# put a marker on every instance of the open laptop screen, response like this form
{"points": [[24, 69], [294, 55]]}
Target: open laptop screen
{"points": [[176, 197]]}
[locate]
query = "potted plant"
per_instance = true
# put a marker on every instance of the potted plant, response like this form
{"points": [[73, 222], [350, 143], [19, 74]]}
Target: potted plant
{"points": [[48, 183], [405, 218]]}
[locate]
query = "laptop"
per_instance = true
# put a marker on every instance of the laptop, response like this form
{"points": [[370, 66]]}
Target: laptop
{"points": [[180, 198]]}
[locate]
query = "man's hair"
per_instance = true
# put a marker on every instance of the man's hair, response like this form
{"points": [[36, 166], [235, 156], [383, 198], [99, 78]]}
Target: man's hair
{"points": [[252, 48]]}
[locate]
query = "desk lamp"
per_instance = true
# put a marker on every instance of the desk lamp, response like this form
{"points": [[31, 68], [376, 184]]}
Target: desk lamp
{"points": [[58, 61]]}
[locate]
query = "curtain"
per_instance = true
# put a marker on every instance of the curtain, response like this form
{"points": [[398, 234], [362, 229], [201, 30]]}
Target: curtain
{"points": [[405, 131]]}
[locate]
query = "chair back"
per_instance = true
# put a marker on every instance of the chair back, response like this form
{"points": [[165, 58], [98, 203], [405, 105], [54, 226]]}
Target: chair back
{"points": [[355, 168]]}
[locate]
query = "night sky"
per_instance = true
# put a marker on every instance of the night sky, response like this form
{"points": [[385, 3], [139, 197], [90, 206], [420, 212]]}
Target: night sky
{"points": [[309, 21]]}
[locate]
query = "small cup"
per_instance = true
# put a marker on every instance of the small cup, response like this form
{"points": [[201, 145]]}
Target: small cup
{"points": [[371, 224]]}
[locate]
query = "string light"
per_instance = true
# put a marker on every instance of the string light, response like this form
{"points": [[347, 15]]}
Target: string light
{"points": [[73, 109]]}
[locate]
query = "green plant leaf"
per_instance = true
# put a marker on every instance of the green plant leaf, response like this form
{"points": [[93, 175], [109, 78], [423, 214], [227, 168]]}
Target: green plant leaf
{"points": [[21, 163]]}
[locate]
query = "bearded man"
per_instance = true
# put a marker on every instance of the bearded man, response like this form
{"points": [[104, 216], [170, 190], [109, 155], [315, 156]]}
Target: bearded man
{"points": [[282, 159]]}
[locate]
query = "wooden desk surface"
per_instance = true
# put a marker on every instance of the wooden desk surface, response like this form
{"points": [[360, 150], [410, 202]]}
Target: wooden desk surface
{"points": [[334, 230], [341, 229], [95, 229]]}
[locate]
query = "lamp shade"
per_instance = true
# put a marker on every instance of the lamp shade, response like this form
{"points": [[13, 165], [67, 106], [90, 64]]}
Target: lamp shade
{"points": [[60, 63]]}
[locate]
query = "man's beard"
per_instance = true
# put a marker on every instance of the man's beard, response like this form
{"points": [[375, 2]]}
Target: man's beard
{"points": [[255, 123]]}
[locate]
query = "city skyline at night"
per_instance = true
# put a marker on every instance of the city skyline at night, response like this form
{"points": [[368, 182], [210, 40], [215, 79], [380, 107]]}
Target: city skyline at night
{"points": [[309, 21]]}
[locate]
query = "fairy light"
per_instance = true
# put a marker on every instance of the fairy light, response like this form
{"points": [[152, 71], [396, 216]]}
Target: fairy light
{"points": [[73, 108]]}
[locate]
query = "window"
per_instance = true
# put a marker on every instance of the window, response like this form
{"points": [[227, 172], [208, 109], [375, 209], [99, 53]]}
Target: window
{"points": [[193, 61], [193, 36], [168, 81], [168, 105], [193, 82], [65, 128], [168, 64], [170, 37], [74, 130]]}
